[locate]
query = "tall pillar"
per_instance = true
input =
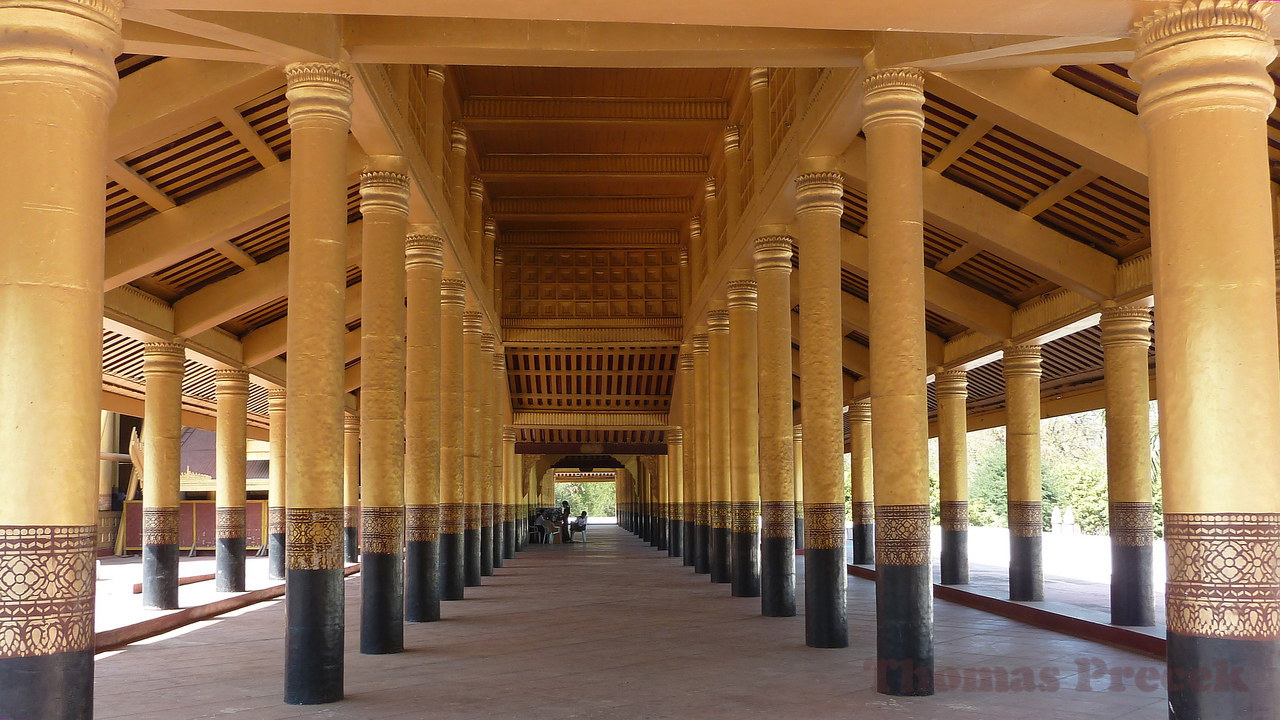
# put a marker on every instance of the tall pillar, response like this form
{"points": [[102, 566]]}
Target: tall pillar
{"points": [[761, 127], [702, 455], [686, 284], [697, 256], [475, 379], [952, 390], [458, 141], [59, 84], [484, 375], [819, 204], [509, 492], [319, 119], [732, 179], [108, 441], [498, 279], [424, 262], [1206, 97], [1022, 462], [772, 255], [162, 367], [861, 484], [488, 240], [744, 433], [711, 240], [688, 418], [384, 204], [1126, 341], [797, 481], [277, 419], [675, 492], [475, 222], [434, 101], [720, 488], [453, 300], [351, 488], [497, 454], [232, 393]]}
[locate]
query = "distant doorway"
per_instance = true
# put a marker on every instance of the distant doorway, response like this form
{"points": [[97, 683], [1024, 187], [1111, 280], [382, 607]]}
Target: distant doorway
{"points": [[599, 499]]}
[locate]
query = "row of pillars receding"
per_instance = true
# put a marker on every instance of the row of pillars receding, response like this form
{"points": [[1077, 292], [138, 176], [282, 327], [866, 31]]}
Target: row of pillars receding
{"points": [[1205, 101]]}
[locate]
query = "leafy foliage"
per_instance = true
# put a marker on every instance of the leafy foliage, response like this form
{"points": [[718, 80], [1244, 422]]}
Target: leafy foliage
{"points": [[599, 499]]}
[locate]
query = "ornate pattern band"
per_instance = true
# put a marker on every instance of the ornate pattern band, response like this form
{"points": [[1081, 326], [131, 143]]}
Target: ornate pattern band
{"points": [[862, 513], [275, 520], [1131, 524], [1026, 519], [46, 589], [471, 517], [350, 516], [160, 526], [823, 526], [954, 514], [720, 514], [313, 538], [1223, 576], [229, 523], [902, 535], [777, 519], [745, 517], [690, 513], [382, 530], [486, 515], [452, 518], [701, 516], [421, 523]]}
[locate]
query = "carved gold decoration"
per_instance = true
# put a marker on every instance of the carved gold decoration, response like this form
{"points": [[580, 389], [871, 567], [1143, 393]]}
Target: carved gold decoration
{"points": [[691, 513], [862, 513], [350, 516], [229, 523], [720, 514], [452, 518], [954, 514], [313, 538], [777, 519], [1131, 523], [160, 526], [46, 589], [382, 530], [902, 535], [275, 520], [471, 516], [824, 526], [1026, 519], [701, 516], [745, 517], [1223, 575]]}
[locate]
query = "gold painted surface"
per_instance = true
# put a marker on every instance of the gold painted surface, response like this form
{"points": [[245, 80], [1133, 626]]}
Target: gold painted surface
{"points": [[1126, 342], [902, 535], [777, 519], [229, 523], [701, 513], [720, 514], [1026, 519], [275, 520], [382, 530], [745, 517], [862, 513], [824, 525], [471, 516], [160, 526], [350, 516], [452, 518], [954, 514], [46, 589], [1223, 576], [1131, 523], [313, 538]]}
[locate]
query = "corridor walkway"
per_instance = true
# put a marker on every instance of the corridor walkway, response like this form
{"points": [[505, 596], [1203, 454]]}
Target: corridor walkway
{"points": [[616, 629]]}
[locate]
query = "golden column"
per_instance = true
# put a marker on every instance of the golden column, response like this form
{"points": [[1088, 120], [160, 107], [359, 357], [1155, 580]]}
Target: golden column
{"points": [[732, 179], [702, 454], [488, 240], [424, 263], [498, 279], [761, 126], [720, 487], [351, 488], [797, 479], [675, 492], [744, 433], [686, 287], [475, 223], [689, 469], [1022, 460], [162, 368], [892, 121], [319, 120], [711, 240], [475, 381], [697, 250], [861, 484], [435, 140], [485, 452], [772, 254], [497, 454], [952, 390], [277, 419], [819, 204], [384, 205], [509, 492], [1126, 342], [59, 84], [1205, 101], [458, 181], [453, 300], [232, 394]]}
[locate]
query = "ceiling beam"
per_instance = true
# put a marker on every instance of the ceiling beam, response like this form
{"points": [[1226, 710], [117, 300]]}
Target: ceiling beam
{"points": [[142, 39], [300, 37], [221, 301], [479, 113], [541, 166]]}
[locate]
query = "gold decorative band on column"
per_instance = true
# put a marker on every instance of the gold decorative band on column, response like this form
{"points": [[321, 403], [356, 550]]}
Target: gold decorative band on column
{"points": [[160, 526], [862, 513], [701, 516], [471, 516], [824, 525], [720, 514], [350, 516], [954, 514], [1131, 523], [691, 512], [228, 523], [422, 523], [1026, 519], [313, 538], [902, 535], [1223, 576], [46, 589], [777, 519], [452, 518], [382, 530], [275, 520], [745, 517], [486, 514]]}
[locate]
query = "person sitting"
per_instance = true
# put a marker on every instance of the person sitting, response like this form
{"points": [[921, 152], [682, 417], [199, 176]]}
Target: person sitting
{"points": [[578, 524]]}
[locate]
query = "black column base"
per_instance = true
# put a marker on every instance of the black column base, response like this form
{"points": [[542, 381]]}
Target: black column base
{"points": [[48, 686], [498, 533], [955, 557], [159, 577], [654, 531], [864, 544], [826, 624], [229, 565], [688, 531], [702, 549], [275, 556], [471, 557], [745, 568], [421, 581], [663, 526], [904, 629], [508, 539], [452, 566], [1131, 591], [351, 544], [486, 551], [381, 603], [1221, 679], [778, 577], [1026, 572], [313, 644], [720, 555], [799, 532], [675, 538]]}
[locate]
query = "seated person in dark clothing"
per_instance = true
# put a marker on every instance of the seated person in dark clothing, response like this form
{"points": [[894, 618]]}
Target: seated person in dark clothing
{"points": [[577, 524]]}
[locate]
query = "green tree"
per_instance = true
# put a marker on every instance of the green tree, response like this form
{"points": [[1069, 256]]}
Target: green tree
{"points": [[597, 498]]}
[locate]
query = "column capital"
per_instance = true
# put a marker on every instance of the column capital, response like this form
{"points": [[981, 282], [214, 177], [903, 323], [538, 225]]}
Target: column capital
{"points": [[951, 383], [718, 320], [758, 79], [384, 191], [453, 289], [686, 361], [684, 256], [163, 358], [797, 433], [424, 248], [709, 188], [701, 343], [231, 381], [319, 93], [508, 433], [350, 424], [497, 256], [1021, 360], [732, 139], [893, 96], [436, 73], [476, 189], [499, 358], [487, 339], [458, 138], [490, 228], [860, 411], [276, 399], [820, 192], [773, 252], [1125, 325], [675, 436], [79, 47], [473, 323], [742, 292]]}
